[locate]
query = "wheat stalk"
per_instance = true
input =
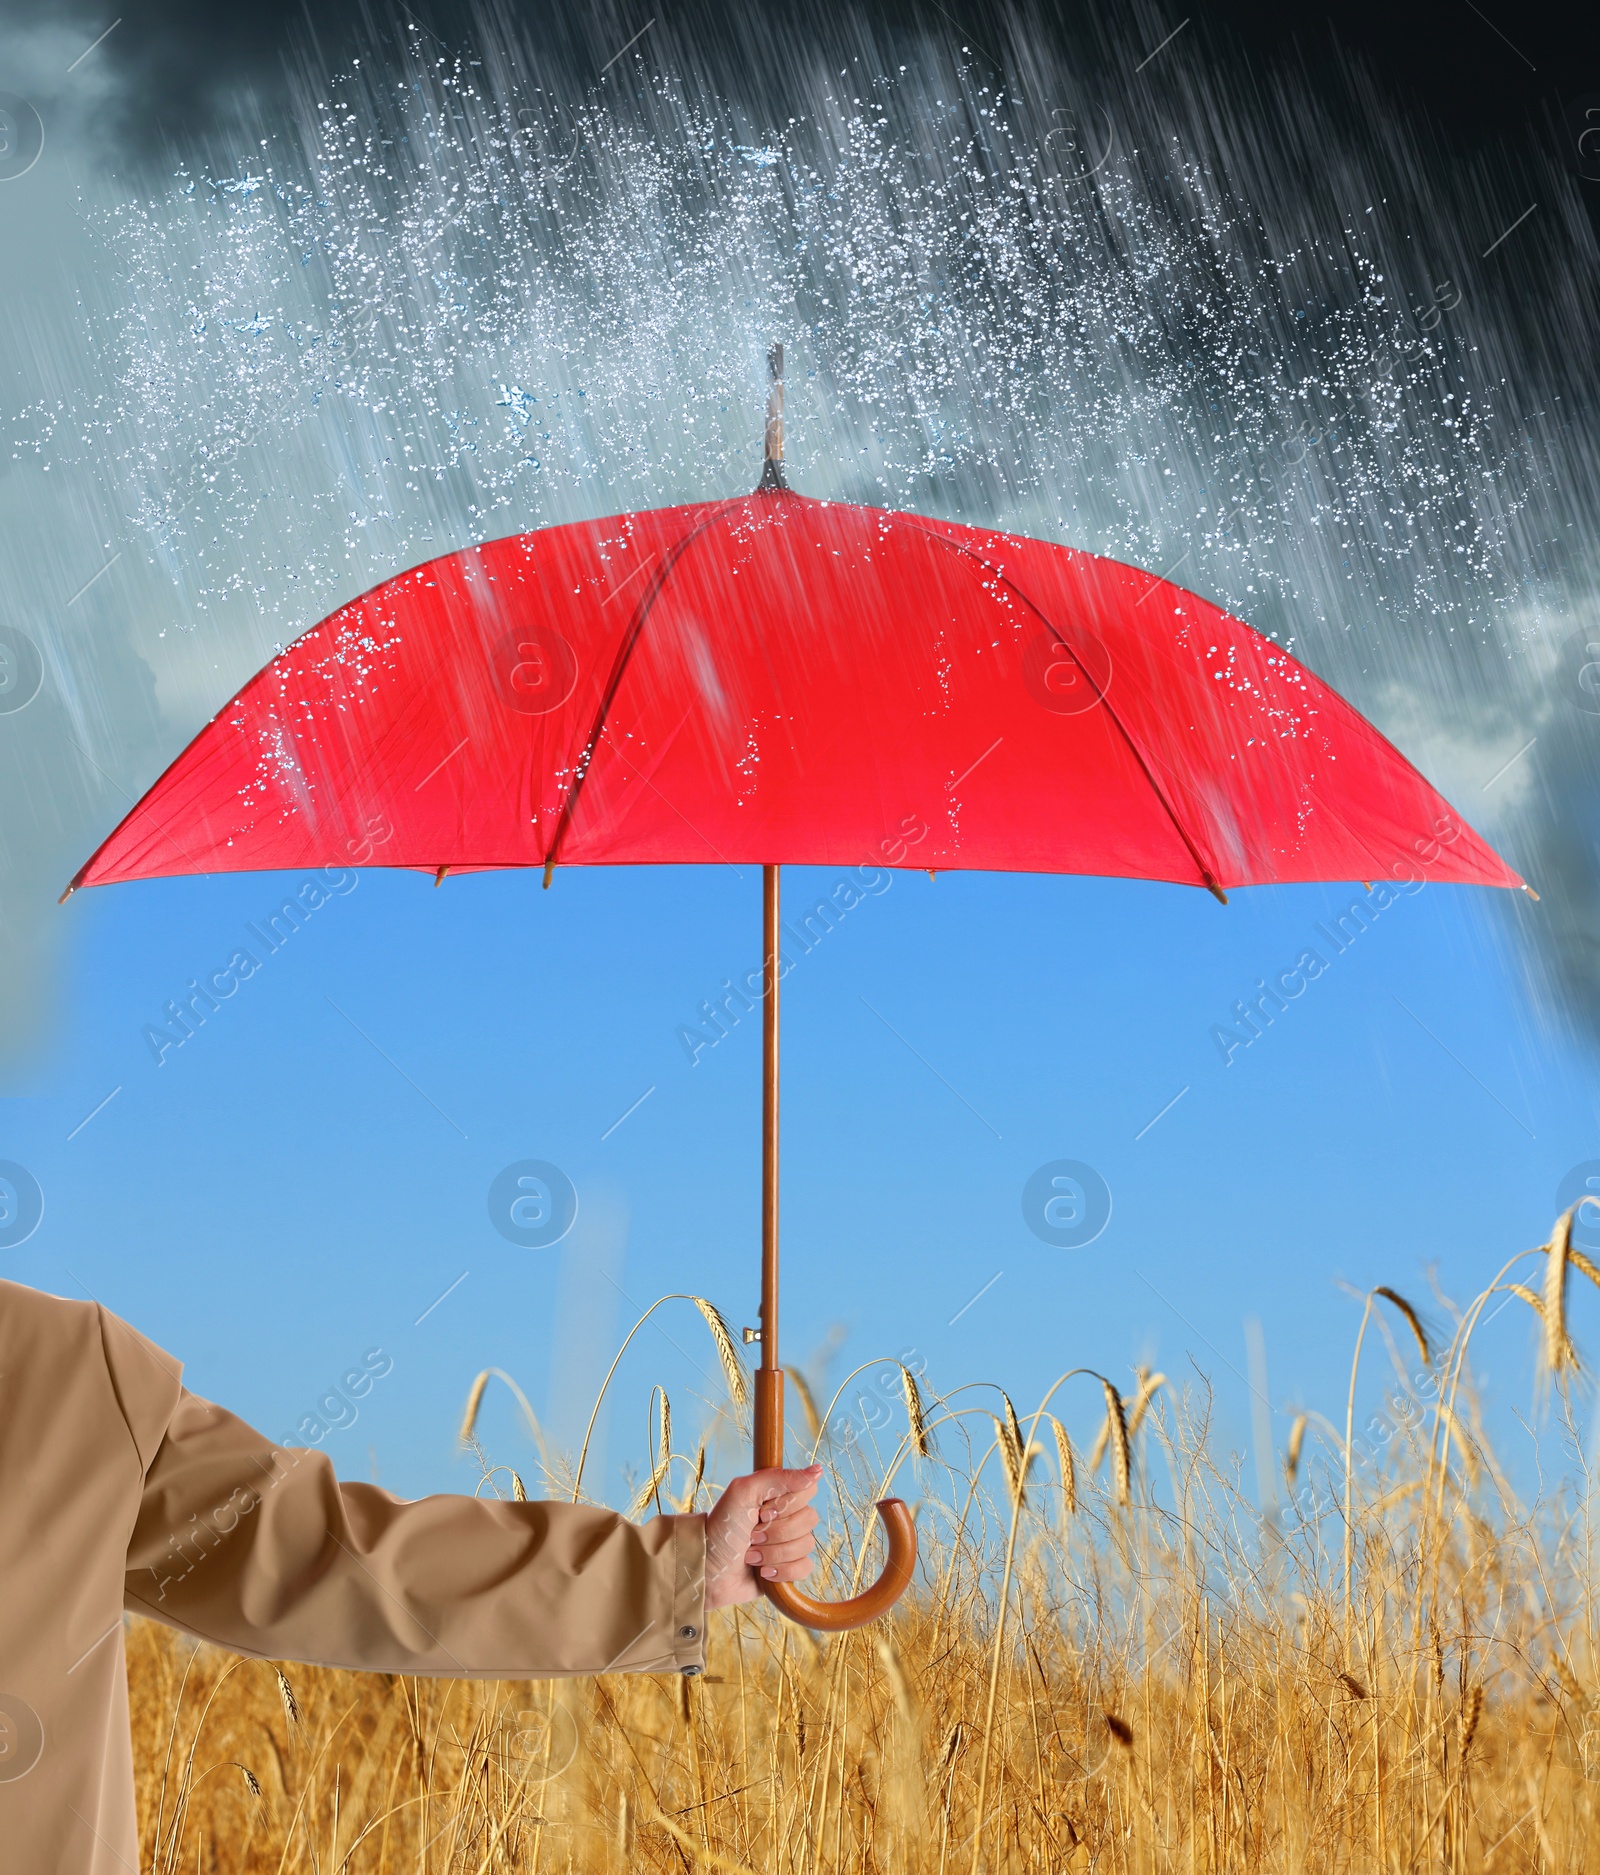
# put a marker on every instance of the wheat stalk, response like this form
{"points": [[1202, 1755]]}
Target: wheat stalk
{"points": [[894, 1671], [738, 1383], [663, 1462], [1148, 1384], [469, 1417], [291, 1706], [1463, 1438], [686, 1502]]}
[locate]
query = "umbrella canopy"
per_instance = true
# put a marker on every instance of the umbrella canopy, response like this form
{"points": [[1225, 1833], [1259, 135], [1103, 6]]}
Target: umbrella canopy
{"points": [[779, 679]]}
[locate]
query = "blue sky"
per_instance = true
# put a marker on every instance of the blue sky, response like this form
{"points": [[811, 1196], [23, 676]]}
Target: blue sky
{"points": [[308, 1174]]}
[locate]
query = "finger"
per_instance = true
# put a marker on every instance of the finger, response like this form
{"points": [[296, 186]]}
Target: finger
{"points": [[775, 1482], [802, 1549], [795, 1523], [777, 1508], [786, 1572]]}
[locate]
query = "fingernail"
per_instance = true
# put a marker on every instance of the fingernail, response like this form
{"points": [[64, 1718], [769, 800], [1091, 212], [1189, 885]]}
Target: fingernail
{"points": [[770, 1574]]}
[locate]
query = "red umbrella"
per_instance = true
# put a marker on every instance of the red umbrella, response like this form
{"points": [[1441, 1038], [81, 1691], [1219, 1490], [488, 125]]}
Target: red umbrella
{"points": [[776, 680]]}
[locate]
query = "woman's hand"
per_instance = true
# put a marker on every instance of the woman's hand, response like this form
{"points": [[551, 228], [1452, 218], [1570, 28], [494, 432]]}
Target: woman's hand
{"points": [[762, 1526]]}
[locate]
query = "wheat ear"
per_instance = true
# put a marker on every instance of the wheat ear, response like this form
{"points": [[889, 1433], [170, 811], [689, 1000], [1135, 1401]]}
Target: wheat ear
{"points": [[1574, 1255], [474, 1400], [1117, 1426], [1065, 1465], [1559, 1353], [469, 1418], [1471, 1712], [1414, 1321], [738, 1381], [1297, 1439], [916, 1413], [808, 1402], [1010, 1441]]}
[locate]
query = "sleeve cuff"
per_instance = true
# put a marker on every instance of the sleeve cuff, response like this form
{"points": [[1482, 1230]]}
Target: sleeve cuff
{"points": [[675, 1640], [688, 1594]]}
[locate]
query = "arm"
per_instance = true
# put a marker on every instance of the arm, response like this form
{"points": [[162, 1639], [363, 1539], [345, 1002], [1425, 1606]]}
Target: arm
{"points": [[261, 1549]]}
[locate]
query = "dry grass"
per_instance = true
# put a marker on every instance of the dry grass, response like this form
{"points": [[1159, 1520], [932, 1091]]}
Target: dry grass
{"points": [[1169, 1683]]}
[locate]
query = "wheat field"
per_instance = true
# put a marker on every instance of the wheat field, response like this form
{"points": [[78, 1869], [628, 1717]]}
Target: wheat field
{"points": [[1111, 1661]]}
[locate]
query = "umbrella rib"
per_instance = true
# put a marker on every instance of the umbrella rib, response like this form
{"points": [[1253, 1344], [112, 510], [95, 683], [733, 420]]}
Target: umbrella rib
{"points": [[1207, 876], [619, 668]]}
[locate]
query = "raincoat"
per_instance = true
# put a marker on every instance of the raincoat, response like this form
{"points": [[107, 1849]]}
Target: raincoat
{"points": [[121, 1492]]}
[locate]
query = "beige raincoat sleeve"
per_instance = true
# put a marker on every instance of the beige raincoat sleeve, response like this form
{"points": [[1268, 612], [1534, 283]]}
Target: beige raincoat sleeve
{"points": [[118, 1489], [261, 1549]]}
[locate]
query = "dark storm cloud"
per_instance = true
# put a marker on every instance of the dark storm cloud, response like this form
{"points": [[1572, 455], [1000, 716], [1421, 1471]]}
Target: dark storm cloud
{"points": [[189, 67]]}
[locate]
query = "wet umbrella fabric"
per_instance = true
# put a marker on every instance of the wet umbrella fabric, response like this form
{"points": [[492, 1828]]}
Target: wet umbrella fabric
{"points": [[779, 679]]}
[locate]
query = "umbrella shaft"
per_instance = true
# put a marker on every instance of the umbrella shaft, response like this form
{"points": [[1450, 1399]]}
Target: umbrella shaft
{"points": [[769, 1119], [769, 1375]]}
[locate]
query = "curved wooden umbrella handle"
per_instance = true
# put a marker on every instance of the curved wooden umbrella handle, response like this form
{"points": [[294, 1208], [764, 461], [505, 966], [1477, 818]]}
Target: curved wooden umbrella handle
{"points": [[833, 1617], [898, 1529]]}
